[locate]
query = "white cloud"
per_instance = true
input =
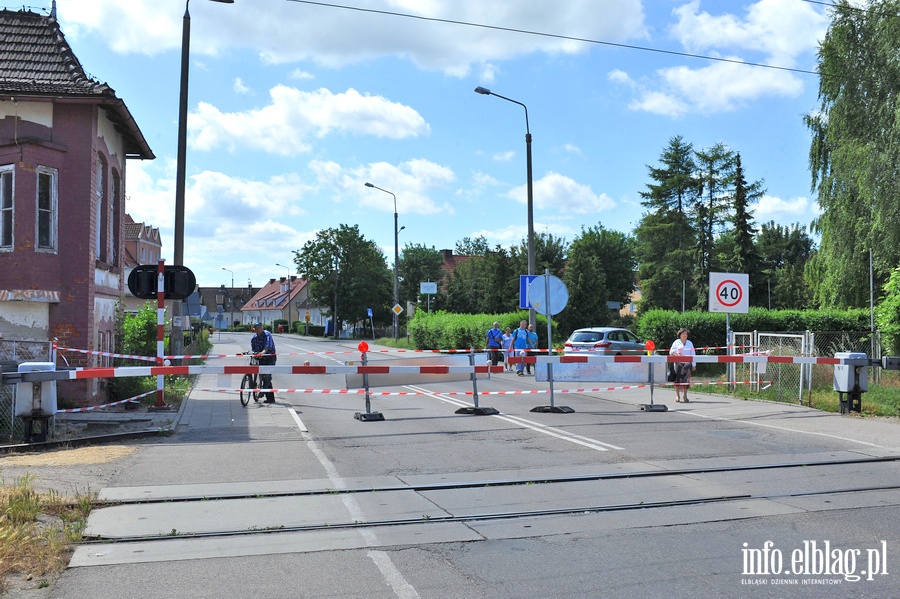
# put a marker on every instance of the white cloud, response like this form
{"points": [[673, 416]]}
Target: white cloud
{"points": [[285, 32], [504, 156], [239, 86], [770, 32], [286, 125], [563, 195], [779, 30], [572, 149], [410, 182], [300, 74], [785, 212]]}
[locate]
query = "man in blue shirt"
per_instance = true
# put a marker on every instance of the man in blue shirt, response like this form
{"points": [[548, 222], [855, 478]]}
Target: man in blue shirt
{"points": [[495, 343], [520, 344], [263, 344], [532, 344]]}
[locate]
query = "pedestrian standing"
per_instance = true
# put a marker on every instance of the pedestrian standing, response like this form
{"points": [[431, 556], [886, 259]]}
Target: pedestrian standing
{"points": [[495, 343], [682, 346], [520, 345], [507, 344], [532, 345]]}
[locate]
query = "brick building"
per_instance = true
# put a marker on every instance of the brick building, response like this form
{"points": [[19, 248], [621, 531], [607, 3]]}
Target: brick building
{"points": [[64, 142]]}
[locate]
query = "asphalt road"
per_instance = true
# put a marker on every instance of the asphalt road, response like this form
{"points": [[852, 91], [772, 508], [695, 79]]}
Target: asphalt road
{"points": [[715, 498]]}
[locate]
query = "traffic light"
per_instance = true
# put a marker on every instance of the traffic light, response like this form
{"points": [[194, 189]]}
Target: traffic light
{"points": [[178, 282]]}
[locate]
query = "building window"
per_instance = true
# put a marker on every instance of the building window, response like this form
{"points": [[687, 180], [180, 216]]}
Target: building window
{"points": [[6, 207], [143, 255], [46, 209], [101, 212], [116, 218]]}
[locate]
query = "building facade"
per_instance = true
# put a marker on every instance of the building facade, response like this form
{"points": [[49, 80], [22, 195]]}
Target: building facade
{"points": [[64, 142]]}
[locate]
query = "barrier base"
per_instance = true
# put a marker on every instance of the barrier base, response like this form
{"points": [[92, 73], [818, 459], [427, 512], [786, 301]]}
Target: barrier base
{"points": [[553, 409], [654, 407], [162, 408], [369, 416], [478, 411]]}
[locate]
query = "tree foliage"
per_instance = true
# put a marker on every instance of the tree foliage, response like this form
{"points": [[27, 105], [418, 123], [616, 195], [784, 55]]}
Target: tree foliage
{"points": [[699, 220], [418, 264], [855, 150], [344, 267]]}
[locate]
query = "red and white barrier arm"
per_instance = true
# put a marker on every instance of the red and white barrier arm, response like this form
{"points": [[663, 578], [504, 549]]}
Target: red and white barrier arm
{"points": [[738, 359], [125, 371], [441, 393]]}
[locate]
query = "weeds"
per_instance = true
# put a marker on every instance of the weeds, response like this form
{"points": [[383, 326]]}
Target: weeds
{"points": [[37, 530]]}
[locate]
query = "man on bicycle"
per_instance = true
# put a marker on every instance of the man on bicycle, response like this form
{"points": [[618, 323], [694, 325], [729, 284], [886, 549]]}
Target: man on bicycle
{"points": [[263, 346]]}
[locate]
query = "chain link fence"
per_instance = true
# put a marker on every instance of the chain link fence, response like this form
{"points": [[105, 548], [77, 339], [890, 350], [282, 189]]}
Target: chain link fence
{"points": [[13, 353], [794, 382]]}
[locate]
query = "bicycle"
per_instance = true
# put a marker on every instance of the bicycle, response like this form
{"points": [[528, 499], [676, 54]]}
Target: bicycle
{"points": [[249, 381]]}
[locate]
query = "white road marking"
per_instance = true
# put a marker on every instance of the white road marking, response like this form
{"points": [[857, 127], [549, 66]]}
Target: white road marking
{"points": [[381, 559], [535, 426], [782, 428]]}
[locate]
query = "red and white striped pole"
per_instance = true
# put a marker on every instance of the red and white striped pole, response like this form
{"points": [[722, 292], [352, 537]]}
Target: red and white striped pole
{"points": [[160, 332]]}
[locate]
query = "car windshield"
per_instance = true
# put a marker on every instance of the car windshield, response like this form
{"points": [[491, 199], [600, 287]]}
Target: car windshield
{"points": [[586, 337]]}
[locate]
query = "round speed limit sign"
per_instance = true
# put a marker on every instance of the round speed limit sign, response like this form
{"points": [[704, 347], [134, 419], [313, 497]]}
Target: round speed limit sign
{"points": [[729, 292]]}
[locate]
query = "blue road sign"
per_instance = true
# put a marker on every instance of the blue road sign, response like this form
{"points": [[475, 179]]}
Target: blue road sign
{"points": [[524, 282]]}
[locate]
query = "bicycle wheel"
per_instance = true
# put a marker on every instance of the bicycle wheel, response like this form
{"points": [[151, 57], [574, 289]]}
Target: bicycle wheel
{"points": [[247, 383]]}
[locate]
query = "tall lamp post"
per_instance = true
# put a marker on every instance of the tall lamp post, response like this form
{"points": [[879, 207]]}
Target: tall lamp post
{"points": [[288, 293], [396, 262], [486, 92], [231, 304], [177, 335]]}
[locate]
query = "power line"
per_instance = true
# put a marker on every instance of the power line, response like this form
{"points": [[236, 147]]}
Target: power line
{"points": [[556, 36]]}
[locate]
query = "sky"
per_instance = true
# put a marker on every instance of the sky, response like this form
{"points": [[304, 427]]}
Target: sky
{"points": [[294, 106]]}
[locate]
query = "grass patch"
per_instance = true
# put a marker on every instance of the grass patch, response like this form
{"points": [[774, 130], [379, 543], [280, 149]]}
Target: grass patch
{"points": [[37, 530], [882, 398], [401, 343]]}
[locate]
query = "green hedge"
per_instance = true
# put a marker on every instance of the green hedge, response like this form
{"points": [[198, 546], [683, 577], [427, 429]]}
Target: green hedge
{"points": [[444, 330], [708, 328]]}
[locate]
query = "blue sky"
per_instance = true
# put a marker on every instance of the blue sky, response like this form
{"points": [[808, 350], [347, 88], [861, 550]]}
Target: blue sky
{"points": [[294, 106]]}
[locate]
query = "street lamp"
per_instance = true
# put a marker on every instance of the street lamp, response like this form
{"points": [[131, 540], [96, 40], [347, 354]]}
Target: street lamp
{"points": [[288, 293], [231, 305], [486, 92], [177, 335], [396, 261]]}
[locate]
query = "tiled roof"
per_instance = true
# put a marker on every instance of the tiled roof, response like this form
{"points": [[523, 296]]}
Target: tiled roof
{"points": [[132, 231], [36, 60]]}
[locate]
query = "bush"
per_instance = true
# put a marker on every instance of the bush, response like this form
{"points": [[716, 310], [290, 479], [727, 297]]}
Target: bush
{"points": [[445, 330], [708, 328], [887, 315]]}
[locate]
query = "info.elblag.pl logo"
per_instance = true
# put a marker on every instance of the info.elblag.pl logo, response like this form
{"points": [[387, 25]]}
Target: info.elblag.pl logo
{"points": [[817, 559]]}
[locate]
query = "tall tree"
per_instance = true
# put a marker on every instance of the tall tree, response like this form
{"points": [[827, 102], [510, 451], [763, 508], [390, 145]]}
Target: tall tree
{"points": [[549, 252], [855, 150], [344, 267], [418, 264], [783, 255], [665, 236], [600, 268], [737, 248], [713, 209]]}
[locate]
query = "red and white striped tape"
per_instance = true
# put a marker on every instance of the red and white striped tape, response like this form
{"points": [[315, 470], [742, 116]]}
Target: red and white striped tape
{"points": [[106, 405]]}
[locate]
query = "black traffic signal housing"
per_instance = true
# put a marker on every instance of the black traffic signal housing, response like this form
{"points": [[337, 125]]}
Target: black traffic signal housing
{"points": [[178, 282]]}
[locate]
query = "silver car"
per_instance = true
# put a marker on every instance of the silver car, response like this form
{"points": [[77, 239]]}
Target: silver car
{"points": [[608, 341]]}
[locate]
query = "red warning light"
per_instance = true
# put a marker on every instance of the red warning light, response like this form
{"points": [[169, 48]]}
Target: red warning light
{"points": [[650, 345], [363, 346]]}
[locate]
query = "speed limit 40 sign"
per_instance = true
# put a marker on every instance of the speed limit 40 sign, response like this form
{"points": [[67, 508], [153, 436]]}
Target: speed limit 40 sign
{"points": [[729, 292]]}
